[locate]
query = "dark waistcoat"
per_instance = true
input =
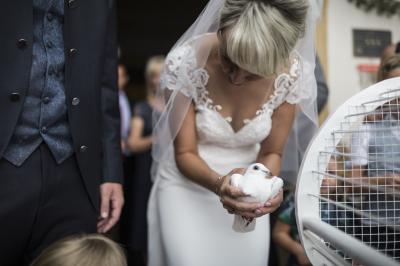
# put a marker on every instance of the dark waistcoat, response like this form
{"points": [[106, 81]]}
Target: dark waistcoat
{"points": [[44, 113]]}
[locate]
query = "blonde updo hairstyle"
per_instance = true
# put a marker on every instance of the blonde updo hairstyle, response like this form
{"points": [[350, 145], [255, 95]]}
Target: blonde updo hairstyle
{"points": [[261, 34]]}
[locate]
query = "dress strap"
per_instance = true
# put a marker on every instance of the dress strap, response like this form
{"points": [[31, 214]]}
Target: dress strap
{"points": [[285, 88]]}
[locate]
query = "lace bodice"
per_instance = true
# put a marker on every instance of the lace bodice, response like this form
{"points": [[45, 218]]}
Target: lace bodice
{"points": [[184, 74]]}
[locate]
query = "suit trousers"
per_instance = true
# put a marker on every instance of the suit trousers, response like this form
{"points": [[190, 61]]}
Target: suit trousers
{"points": [[41, 202]]}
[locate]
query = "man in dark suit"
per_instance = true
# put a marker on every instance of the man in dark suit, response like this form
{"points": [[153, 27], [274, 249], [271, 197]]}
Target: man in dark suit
{"points": [[60, 164]]}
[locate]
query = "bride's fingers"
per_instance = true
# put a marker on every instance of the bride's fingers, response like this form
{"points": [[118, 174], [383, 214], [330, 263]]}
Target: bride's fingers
{"points": [[271, 205], [262, 211], [240, 206], [231, 191], [234, 192], [245, 214], [276, 201], [266, 210], [248, 215]]}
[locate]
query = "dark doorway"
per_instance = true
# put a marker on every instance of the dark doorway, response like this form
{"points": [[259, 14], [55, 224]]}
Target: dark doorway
{"points": [[148, 28]]}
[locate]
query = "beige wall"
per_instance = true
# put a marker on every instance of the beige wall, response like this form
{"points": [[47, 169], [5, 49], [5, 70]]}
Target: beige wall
{"points": [[321, 37], [321, 45]]}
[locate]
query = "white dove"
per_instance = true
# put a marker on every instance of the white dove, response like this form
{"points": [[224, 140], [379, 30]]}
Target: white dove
{"points": [[260, 186]]}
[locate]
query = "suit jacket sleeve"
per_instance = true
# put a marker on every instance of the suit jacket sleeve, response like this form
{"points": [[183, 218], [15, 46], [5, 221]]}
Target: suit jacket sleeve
{"points": [[112, 161]]}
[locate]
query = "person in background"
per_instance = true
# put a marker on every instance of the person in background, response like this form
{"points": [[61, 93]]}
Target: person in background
{"points": [[375, 161], [124, 107], [390, 50], [285, 234], [82, 250], [390, 67], [140, 139], [138, 184]]}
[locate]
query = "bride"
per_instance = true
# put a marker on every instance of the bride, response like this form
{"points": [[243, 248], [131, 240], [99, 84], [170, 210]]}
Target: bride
{"points": [[231, 86]]}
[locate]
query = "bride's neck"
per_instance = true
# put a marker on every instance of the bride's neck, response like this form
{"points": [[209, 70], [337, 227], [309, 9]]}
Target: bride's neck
{"points": [[214, 56]]}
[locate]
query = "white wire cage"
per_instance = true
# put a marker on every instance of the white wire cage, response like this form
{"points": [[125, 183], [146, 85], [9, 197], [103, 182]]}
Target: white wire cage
{"points": [[348, 190]]}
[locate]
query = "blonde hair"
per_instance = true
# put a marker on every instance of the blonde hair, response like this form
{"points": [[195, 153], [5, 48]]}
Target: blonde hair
{"points": [[388, 65], [262, 33], [154, 64], [83, 250]]}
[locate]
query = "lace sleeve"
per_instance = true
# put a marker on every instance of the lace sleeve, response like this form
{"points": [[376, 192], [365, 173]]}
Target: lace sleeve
{"points": [[179, 71], [297, 92], [288, 86]]}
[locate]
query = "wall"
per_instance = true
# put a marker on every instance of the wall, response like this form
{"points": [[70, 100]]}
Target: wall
{"points": [[342, 73]]}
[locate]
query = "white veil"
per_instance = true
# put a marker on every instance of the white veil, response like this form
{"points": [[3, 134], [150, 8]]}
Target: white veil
{"points": [[175, 85]]}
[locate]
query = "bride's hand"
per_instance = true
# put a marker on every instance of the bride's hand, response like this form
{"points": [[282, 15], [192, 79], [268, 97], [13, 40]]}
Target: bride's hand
{"points": [[272, 204], [230, 198]]}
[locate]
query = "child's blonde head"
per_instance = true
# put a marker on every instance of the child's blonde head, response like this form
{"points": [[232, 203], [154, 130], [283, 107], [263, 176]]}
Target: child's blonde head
{"points": [[82, 250]]}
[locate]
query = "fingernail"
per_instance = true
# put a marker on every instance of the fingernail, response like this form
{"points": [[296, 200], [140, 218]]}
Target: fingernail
{"points": [[104, 215], [260, 205], [268, 204], [258, 212]]}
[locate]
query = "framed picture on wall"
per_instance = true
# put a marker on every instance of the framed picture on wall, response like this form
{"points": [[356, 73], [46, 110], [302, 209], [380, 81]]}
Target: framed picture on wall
{"points": [[370, 43]]}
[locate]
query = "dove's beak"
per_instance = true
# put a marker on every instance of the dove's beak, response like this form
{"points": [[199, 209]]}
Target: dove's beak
{"points": [[267, 173]]}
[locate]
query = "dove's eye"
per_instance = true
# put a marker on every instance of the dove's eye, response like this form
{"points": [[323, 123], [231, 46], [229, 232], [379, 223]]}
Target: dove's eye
{"points": [[256, 167]]}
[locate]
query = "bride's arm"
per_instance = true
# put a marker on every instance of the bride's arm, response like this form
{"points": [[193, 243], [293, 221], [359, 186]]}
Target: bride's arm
{"points": [[186, 154], [193, 167], [272, 147]]}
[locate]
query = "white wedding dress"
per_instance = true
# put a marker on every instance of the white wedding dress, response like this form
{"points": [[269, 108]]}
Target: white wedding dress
{"points": [[187, 224]]}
